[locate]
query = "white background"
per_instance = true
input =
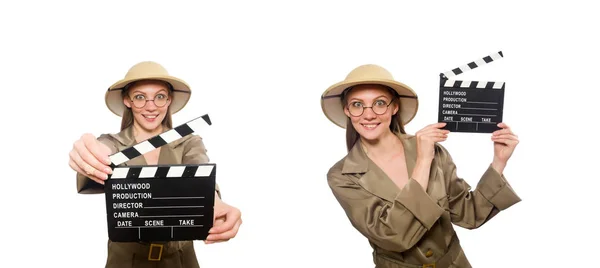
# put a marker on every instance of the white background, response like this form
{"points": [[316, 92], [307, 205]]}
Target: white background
{"points": [[258, 68]]}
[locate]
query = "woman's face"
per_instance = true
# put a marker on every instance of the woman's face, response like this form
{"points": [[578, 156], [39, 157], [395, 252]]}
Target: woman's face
{"points": [[374, 121], [149, 101]]}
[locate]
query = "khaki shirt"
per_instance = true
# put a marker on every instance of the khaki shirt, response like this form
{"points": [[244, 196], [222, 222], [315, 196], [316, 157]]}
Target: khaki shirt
{"points": [[411, 226]]}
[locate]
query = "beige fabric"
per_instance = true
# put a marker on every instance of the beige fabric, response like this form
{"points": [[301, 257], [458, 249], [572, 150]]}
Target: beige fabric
{"points": [[331, 102], [135, 255], [405, 224], [142, 71]]}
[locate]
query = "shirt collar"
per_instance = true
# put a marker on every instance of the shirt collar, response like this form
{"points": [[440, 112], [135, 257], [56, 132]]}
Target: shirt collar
{"points": [[357, 160]]}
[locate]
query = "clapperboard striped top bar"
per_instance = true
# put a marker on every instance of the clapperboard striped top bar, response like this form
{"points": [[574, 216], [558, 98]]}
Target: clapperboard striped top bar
{"points": [[175, 171], [472, 65], [159, 140]]}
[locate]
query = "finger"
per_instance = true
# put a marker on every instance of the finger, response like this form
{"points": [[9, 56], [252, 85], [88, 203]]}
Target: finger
{"points": [[226, 235], [230, 221], [438, 136], [506, 141], [95, 176], [434, 138], [218, 222], [219, 214], [97, 149], [442, 131], [439, 139], [214, 241], [502, 131], [86, 169], [98, 154], [433, 132], [503, 125], [83, 155], [91, 160], [74, 155], [436, 125], [506, 136], [430, 130], [75, 167], [432, 126]]}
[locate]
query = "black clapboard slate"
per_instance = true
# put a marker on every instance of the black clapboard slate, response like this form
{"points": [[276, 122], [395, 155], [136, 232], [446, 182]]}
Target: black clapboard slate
{"points": [[471, 106], [475, 110], [160, 203]]}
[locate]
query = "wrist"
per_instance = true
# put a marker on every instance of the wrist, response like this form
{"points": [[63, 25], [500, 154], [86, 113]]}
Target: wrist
{"points": [[421, 171], [498, 165]]}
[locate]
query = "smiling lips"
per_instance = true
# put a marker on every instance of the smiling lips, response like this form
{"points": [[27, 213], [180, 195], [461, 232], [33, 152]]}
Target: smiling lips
{"points": [[150, 118], [370, 126]]}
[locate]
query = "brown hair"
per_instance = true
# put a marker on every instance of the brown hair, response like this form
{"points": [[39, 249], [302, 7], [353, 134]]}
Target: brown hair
{"points": [[352, 135], [127, 119]]}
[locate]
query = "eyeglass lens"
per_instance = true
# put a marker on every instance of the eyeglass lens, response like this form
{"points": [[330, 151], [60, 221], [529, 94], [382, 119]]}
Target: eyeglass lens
{"points": [[140, 100], [357, 108]]}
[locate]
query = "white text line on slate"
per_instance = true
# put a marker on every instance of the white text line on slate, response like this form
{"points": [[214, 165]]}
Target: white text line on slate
{"points": [[177, 207]]}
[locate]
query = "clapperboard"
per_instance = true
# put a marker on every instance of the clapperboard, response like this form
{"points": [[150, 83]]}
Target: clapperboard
{"points": [[160, 202], [471, 106]]}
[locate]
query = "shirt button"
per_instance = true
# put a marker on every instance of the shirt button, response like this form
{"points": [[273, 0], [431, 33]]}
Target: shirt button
{"points": [[429, 253]]}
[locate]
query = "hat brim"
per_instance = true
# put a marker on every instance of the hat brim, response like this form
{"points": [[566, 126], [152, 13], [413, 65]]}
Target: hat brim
{"points": [[181, 93], [331, 101]]}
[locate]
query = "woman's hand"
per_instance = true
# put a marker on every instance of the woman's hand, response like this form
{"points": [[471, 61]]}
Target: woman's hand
{"points": [[426, 139], [89, 157], [227, 221], [505, 142]]}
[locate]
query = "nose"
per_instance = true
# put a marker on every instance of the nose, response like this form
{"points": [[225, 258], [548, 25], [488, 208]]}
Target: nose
{"points": [[368, 113], [150, 105]]}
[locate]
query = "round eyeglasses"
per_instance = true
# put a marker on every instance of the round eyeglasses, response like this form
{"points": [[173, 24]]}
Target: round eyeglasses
{"points": [[140, 100], [379, 107]]}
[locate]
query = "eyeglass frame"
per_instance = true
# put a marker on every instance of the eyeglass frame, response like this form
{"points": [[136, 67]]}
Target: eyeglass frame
{"points": [[146, 102], [395, 95], [170, 88], [365, 107]]}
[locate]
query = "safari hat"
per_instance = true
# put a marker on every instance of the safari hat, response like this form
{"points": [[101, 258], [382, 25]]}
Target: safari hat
{"points": [[143, 71], [331, 101]]}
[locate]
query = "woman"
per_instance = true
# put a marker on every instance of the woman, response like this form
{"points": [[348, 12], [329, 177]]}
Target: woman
{"points": [[145, 99], [401, 191]]}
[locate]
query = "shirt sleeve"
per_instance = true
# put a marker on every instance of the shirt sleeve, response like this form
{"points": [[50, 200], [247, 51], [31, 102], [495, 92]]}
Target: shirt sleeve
{"points": [[471, 208], [195, 153]]}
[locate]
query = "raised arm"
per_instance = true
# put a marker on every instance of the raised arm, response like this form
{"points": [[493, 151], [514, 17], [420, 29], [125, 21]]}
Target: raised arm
{"points": [[472, 208]]}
